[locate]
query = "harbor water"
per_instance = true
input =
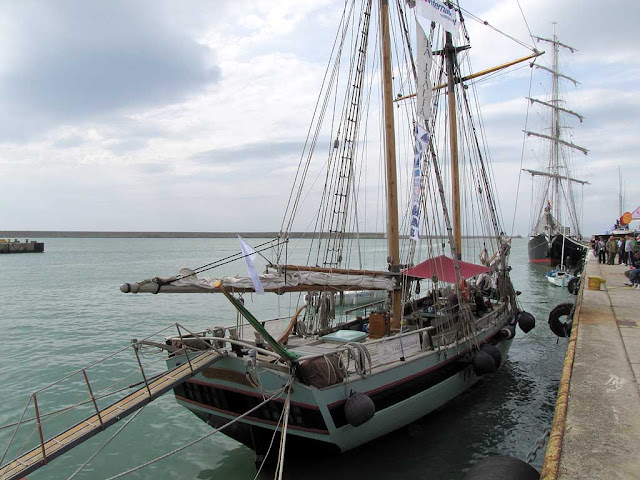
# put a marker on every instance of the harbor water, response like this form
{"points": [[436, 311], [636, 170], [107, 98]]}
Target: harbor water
{"points": [[62, 310]]}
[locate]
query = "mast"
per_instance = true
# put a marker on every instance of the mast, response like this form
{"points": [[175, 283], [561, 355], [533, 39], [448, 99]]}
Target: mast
{"points": [[556, 177], [390, 160], [620, 201], [450, 53], [555, 129]]}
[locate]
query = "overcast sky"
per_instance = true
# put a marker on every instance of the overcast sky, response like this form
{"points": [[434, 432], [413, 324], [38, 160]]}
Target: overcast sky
{"points": [[191, 115]]}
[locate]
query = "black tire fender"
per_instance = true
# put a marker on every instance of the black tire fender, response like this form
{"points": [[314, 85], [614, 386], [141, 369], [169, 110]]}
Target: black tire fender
{"points": [[574, 285], [561, 319]]}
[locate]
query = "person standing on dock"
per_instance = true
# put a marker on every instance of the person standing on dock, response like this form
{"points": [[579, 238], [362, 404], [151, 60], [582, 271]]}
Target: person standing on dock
{"points": [[628, 249], [601, 250], [612, 249], [621, 254]]}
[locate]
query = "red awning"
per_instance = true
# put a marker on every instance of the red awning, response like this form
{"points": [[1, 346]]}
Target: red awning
{"points": [[443, 267]]}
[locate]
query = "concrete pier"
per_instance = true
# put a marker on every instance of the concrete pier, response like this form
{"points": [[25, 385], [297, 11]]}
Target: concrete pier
{"points": [[596, 427], [16, 246]]}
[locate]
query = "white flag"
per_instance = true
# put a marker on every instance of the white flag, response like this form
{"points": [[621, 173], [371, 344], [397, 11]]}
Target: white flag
{"points": [[249, 256], [435, 11]]}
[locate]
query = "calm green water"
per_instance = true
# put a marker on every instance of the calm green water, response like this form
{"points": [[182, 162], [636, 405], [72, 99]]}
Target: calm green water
{"points": [[62, 310]]}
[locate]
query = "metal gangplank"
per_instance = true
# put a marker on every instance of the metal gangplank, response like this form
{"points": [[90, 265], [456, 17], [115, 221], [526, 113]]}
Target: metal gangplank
{"points": [[65, 441]]}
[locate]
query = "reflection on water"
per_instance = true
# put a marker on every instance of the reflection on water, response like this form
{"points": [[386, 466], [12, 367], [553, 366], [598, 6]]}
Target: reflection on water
{"points": [[62, 310]]}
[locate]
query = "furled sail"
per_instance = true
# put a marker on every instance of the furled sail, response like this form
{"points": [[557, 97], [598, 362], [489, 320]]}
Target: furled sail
{"points": [[287, 281]]}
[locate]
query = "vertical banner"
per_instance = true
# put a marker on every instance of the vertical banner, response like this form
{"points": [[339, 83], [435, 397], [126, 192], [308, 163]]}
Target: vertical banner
{"points": [[434, 11], [249, 255], [423, 67], [421, 142]]}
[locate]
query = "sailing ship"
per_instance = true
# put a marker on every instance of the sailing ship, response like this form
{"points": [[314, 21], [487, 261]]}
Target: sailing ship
{"points": [[331, 379], [555, 237]]}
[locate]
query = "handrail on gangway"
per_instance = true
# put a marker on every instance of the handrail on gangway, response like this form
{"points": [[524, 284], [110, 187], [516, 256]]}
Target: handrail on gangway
{"points": [[82, 431]]}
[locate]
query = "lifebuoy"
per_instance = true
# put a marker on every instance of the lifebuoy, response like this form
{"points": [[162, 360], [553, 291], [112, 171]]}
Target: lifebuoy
{"points": [[561, 319]]}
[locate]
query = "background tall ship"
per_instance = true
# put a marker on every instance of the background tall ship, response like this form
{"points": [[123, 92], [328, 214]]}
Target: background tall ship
{"points": [[556, 236]]}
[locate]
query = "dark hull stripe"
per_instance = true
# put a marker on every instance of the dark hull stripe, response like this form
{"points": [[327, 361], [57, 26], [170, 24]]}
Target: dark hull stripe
{"points": [[249, 417], [252, 394]]}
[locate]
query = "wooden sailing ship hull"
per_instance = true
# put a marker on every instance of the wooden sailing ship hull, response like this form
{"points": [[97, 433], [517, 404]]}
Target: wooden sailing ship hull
{"points": [[402, 392], [538, 248], [574, 251]]}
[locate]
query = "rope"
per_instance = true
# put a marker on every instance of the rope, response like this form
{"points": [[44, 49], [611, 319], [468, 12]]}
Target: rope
{"points": [[229, 259], [524, 138], [105, 444], [283, 436], [168, 454], [273, 437], [361, 359], [484, 22]]}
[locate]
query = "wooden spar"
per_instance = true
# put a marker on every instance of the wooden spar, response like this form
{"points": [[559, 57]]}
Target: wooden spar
{"points": [[479, 74], [342, 271], [450, 53], [390, 155]]}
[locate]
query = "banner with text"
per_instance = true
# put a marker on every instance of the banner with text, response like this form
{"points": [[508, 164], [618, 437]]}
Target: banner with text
{"points": [[421, 142], [434, 11]]}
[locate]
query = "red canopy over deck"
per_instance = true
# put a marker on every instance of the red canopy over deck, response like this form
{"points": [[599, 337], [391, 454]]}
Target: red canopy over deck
{"points": [[443, 267]]}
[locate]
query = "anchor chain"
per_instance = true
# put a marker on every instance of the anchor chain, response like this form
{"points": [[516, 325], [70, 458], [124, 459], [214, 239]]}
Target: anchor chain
{"points": [[539, 444]]}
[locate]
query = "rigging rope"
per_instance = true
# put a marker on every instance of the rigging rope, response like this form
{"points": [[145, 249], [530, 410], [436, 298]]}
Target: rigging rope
{"points": [[484, 22], [524, 138], [179, 449], [95, 454]]}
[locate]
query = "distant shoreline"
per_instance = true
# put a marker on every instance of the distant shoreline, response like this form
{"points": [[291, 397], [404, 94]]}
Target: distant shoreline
{"points": [[38, 234]]}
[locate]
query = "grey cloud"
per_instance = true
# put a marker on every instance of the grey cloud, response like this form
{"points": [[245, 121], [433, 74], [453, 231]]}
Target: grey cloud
{"points": [[83, 59], [128, 145], [69, 142], [247, 153], [151, 168]]}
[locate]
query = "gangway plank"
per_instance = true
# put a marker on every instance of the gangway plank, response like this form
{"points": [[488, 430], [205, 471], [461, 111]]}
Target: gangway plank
{"points": [[82, 431]]}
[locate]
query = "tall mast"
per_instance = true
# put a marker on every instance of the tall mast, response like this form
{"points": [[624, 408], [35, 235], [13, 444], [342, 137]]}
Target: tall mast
{"points": [[620, 200], [390, 157], [555, 129], [555, 163], [450, 53]]}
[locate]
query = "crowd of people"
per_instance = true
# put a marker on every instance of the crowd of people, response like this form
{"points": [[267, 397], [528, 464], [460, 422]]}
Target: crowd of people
{"points": [[627, 252]]}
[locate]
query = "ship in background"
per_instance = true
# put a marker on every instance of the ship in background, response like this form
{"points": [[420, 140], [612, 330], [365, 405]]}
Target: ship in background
{"points": [[555, 237]]}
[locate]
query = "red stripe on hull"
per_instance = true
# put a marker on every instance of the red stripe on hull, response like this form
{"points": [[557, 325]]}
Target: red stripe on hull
{"points": [[540, 260]]}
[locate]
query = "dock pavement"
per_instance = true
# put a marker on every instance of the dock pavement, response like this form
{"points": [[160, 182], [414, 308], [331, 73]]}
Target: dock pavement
{"points": [[596, 427]]}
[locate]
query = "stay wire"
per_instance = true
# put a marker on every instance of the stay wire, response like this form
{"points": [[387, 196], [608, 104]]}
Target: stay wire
{"points": [[515, 207], [179, 449], [484, 22], [230, 258], [95, 454]]}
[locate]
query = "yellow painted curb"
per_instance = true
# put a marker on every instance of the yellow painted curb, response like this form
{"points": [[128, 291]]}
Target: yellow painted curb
{"points": [[551, 463]]}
